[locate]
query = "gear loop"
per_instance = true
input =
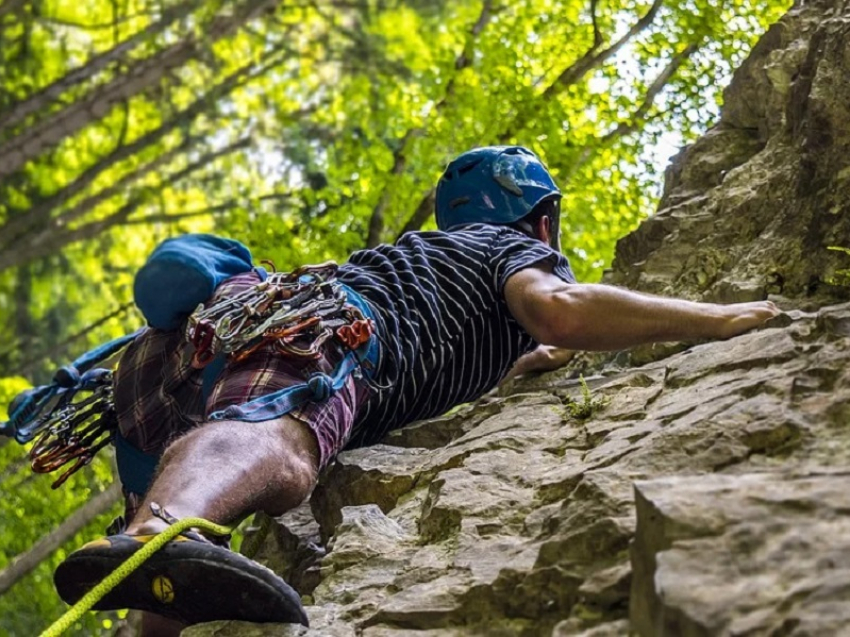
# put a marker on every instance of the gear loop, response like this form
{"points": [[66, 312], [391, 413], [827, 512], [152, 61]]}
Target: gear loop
{"points": [[67, 377], [321, 385]]}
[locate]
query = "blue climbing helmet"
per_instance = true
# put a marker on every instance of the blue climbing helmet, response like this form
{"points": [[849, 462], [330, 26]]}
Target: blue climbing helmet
{"points": [[494, 184]]}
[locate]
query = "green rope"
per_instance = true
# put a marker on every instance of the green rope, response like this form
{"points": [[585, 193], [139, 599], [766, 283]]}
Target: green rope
{"points": [[252, 544], [124, 570]]}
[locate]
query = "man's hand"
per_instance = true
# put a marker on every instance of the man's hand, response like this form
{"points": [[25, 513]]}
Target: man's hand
{"points": [[743, 317], [543, 359]]}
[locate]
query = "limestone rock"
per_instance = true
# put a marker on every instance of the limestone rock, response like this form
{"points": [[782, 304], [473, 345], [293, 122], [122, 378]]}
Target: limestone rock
{"points": [[754, 205], [746, 554], [522, 525], [700, 488]]}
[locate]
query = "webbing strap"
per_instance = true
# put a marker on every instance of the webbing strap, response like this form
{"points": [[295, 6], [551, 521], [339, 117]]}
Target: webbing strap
{"points": [[319, 387]]}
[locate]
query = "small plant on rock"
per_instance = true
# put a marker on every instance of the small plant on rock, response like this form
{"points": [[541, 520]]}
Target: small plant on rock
{"points": [[588, 405]]}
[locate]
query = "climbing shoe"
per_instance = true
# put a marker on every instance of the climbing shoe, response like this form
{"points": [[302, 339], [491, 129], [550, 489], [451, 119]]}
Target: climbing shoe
{"points": [[189, 579]]}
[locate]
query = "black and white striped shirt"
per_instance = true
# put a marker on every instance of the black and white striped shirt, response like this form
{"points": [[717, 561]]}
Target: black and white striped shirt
{"points": [[447, 335]]}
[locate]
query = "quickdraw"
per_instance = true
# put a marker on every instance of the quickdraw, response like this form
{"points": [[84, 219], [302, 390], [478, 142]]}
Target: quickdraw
{"points": [[74, 431], [297, 311]]}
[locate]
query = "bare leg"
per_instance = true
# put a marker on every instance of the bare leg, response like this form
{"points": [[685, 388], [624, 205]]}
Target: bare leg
{"points": [[224, 471], [227, 470]]}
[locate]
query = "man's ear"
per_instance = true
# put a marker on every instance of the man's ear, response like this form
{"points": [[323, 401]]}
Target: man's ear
{"points": [[548, 233], [543, 229]]}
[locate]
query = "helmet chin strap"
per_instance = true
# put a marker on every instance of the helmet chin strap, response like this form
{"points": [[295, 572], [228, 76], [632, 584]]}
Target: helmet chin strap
{"points": [[555, 240], [526, 227], [555, 228], [554, 233]]}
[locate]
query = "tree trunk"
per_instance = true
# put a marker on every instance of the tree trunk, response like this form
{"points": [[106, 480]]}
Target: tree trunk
{"points": [[43, 98], [144, 74], [26, 562]]}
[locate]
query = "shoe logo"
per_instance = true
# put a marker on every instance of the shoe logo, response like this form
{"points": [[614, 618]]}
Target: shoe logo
{"points": [[163, 589]]}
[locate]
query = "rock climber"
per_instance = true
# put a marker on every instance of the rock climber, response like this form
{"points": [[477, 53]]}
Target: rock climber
{"points": [[453, 310]]}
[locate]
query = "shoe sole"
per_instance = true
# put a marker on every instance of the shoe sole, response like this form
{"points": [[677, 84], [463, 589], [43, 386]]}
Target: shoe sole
{"points": [[185, 580]]}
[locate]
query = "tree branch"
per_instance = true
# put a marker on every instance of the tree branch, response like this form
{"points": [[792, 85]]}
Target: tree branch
{"points": [[49, 240], [17, 112], [658, 84], [569, 76], [210, 210], [424, 210], [462, 61], [21, 565], [591, 59], [58, 350], [67, 121], [87, 204], [631, 124], [164, 217], [168, 218], [92, 26], [16, 227], [9, 6], [376, 221], [208, 158], [597, 34]]}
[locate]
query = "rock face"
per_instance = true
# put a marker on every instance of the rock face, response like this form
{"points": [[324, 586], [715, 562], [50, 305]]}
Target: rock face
{"points": [[753, 207], [748, 554], [685, 491]]}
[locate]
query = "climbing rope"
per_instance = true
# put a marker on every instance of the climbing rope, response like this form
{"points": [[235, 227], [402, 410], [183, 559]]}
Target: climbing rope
{"points": [[131, 564], [251, 545]]}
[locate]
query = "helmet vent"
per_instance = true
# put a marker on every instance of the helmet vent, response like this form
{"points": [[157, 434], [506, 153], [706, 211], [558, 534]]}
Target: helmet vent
{"points": [[465, 169], [454, 203]]}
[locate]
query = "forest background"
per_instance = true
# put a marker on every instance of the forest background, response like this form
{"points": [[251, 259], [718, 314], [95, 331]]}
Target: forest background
{"points": [[306, 129]]}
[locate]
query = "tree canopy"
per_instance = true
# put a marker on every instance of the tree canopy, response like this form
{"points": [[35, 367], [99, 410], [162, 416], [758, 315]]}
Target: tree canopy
{"points": [[307, 129]]}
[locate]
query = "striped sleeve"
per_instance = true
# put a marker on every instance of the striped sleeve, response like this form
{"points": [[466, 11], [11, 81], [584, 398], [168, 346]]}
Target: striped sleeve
{"points": [[513, 251]]}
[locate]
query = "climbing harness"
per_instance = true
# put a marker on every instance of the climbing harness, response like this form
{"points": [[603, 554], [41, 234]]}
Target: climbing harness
{"points": [[297, 312]]}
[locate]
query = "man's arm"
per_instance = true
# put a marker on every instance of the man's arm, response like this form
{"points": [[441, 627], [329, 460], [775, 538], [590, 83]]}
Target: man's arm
{"points": [[603, 317]]}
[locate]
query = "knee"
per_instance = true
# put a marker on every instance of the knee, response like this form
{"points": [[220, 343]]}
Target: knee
{"points": [[258, 451], [303, 475], [211, 442], [293, 465]]}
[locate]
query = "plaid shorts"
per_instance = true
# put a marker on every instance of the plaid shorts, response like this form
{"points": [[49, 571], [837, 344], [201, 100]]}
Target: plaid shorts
{"points": [[159, 395]]}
